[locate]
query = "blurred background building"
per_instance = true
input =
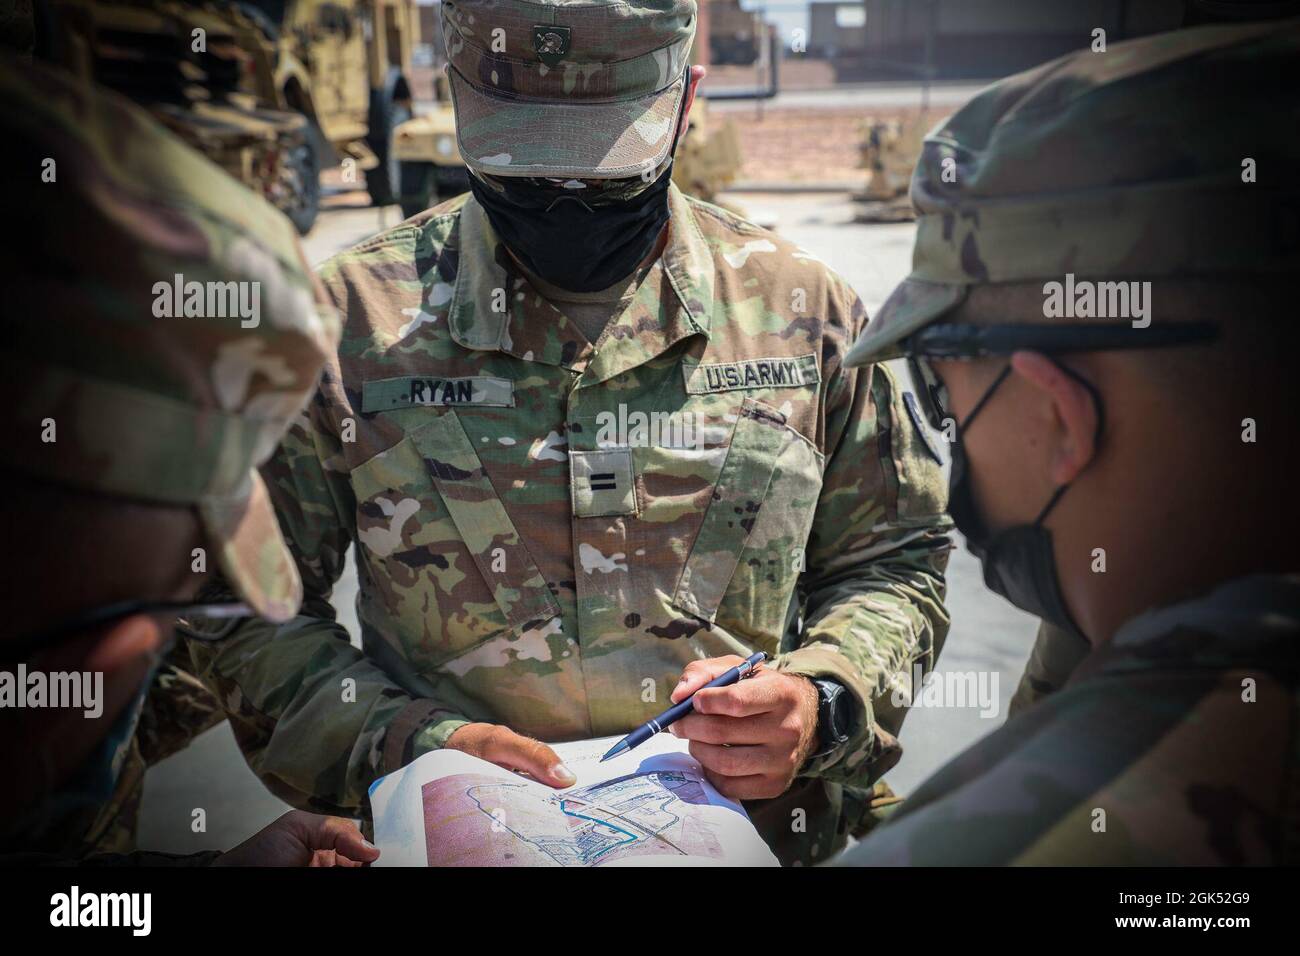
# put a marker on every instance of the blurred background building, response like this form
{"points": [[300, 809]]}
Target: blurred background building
{"points": [[964, 39]]}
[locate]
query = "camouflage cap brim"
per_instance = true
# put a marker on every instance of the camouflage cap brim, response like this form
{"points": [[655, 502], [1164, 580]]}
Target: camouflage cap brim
{"points": [[168, 341], [610, 139], [252, 554], [914, 304]]}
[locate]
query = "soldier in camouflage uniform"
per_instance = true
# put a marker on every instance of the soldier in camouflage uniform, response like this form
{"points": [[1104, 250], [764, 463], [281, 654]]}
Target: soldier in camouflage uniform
{"points": [[178, 707], [1106, 467], [1057, 652], [128, 451], [582, 485], [1055, 655]]}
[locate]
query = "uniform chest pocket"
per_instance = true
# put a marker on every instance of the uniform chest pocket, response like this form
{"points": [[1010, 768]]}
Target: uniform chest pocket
{"points": [[440, 549], [748, 553]]}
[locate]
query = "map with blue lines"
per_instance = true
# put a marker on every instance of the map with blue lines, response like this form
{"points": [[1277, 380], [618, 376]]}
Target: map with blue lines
{"points": [[656, 813]]}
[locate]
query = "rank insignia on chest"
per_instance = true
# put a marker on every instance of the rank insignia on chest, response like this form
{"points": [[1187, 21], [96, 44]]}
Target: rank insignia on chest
{"points": [[602, 483]]}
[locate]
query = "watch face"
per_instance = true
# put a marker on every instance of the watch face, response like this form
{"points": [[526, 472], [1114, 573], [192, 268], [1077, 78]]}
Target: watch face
{"points": [[839, 714], [833, 714]]}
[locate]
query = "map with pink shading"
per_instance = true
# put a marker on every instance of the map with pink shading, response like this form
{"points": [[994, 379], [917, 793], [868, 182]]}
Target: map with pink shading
{"points": [[478, 820]]}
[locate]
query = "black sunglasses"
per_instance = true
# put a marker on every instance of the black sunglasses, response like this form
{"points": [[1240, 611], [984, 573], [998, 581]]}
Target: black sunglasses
{"points": [[981, 341], [531, 192], [23, 649]]}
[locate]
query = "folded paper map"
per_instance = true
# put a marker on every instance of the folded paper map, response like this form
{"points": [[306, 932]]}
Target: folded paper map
{"points": [[650, 806]]}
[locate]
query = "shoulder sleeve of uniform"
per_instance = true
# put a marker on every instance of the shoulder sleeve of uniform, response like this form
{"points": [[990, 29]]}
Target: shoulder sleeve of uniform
{"points": [[875, 557], [316, 719]]}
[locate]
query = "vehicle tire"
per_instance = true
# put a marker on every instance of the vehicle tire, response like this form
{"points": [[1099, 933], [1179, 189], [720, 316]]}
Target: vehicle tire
{"points": [[419, 188], [303, 168], [385, 180]]}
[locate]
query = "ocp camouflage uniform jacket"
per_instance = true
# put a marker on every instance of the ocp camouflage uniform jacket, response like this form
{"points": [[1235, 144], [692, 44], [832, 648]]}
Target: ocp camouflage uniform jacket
{"points": [[1175, 744], [523, 562]]}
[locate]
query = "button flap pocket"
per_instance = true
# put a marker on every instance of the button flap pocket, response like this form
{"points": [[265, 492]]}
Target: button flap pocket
{"points": [[756, 442], [482, 521]]}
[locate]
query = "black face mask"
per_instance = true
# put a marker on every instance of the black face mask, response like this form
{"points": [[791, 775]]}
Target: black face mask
{"points": [[577, 244], [1018, 563]]}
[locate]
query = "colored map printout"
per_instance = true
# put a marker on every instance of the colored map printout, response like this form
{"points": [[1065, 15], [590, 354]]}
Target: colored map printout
{"points": [[649, 807]]}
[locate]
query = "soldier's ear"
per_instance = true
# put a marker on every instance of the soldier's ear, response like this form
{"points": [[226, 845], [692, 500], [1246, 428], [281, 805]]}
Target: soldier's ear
{"points": [[1068, 411], [124, 642], [693, 78]]}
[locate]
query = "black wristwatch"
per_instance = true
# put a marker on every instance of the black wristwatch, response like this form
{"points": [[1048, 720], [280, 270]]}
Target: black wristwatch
{"points": [[834, 715]]}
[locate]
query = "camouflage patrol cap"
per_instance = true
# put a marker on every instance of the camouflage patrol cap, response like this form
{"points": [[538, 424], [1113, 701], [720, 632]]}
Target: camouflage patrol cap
{"points": [[584, 88], [163, 328], [1126, 164]]}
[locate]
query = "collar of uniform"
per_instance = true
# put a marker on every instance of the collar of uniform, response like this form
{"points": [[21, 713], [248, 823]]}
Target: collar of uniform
{"points": [[494, 307], [1247, 622], [674, 301], [531, 328]]}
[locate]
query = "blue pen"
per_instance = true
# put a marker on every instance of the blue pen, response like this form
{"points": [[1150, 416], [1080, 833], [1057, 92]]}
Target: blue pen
{"points": [[677, 711]]}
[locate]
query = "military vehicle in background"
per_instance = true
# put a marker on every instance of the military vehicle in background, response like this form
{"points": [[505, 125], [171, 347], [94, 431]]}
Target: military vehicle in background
{"points": [[275, 91], [431, 167], [345, 65], [183, 62]]}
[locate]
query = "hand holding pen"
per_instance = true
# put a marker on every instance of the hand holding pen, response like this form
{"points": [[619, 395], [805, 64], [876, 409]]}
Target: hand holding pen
{"points": [[683, 707]]}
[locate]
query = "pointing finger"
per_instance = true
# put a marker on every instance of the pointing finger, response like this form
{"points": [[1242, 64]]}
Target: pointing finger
{"points": [[509, 749]]}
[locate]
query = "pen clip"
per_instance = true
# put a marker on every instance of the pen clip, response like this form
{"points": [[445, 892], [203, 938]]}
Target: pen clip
{"points": [[747, 667]]}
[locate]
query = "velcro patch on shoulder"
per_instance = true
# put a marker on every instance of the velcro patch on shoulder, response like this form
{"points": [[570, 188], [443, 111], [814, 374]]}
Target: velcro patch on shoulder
{"points": [[923, 433], [388, 393], [779, 372]]}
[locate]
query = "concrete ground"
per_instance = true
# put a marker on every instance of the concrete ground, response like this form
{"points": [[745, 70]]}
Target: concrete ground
{"points": [[988, 636]]}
